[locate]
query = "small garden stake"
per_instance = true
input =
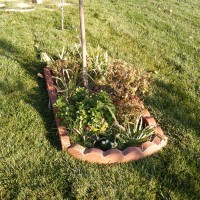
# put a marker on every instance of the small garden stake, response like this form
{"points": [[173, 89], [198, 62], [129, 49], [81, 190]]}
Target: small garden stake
{"points": [[62, 12]]}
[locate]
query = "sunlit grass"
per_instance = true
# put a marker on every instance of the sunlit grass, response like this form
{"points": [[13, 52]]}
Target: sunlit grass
{"points": [[145, 33]]}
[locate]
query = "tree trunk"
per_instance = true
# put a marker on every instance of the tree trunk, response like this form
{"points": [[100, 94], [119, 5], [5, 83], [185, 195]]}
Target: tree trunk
{"points": [[83, 44]]}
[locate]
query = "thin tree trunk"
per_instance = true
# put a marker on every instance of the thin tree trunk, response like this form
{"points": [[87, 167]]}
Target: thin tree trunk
{"points": [[83, 43]]}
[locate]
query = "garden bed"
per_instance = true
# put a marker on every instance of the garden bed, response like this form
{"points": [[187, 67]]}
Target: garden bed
{"points": [[96, 155]]}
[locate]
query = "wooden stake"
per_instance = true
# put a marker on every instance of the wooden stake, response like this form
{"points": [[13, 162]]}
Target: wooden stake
{"points": [[62, 11]]}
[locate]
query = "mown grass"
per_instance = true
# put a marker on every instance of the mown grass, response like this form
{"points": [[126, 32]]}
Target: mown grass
{"points": [[141, 32]]}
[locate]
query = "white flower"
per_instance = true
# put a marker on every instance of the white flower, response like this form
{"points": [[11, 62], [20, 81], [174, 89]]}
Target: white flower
{"points": [[107, 141], [103, 142], [113, 144]]}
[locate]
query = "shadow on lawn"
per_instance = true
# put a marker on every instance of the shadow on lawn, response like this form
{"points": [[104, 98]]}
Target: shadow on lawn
{"points": [[179, 110], [37, 96], [169, 182]]}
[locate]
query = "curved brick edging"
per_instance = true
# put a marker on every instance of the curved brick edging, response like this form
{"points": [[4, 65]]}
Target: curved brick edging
{"points": [[95, 155]]}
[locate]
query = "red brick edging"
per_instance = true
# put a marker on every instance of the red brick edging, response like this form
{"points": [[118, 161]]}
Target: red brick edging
{"points": [[95, 155]]}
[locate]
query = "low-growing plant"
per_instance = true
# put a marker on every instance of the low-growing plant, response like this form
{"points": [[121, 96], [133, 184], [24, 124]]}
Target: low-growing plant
{"points": [[128, 134], [98, 62], [87, 115], [127, 81], [129, 85], [134, 133], [66, 82]]}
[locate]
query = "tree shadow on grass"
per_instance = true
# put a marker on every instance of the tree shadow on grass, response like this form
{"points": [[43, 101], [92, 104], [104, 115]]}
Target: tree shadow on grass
{"points": [[178, 182], [178, 107], [37, 97], [180, 112]]}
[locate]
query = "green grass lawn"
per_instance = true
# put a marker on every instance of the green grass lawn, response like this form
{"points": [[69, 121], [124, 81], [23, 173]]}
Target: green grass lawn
{"points": [[144, 33]]}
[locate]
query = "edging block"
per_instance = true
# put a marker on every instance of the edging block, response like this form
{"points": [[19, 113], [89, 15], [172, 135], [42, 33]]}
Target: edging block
{"points": [[149, 121], [132, 153]]}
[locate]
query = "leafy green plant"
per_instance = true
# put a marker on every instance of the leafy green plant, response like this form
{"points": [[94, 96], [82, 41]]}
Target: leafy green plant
{"points": [[122, 136], [91, 120], [97, 63], [87, 115], [66, 82], [134, 133], [65, 69]]}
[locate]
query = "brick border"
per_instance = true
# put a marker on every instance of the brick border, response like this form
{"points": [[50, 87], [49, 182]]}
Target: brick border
{"points": [[95, 155]]}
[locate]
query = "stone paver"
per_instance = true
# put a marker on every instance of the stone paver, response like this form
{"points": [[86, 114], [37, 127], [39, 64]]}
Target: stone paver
{"points": [[2, 5], [64, 4], [23, 5], [18, 6]]}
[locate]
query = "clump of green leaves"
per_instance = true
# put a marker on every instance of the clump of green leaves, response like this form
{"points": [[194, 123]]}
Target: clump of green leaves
{"points": [[134, 133], [97, 63], [87, 115]]}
